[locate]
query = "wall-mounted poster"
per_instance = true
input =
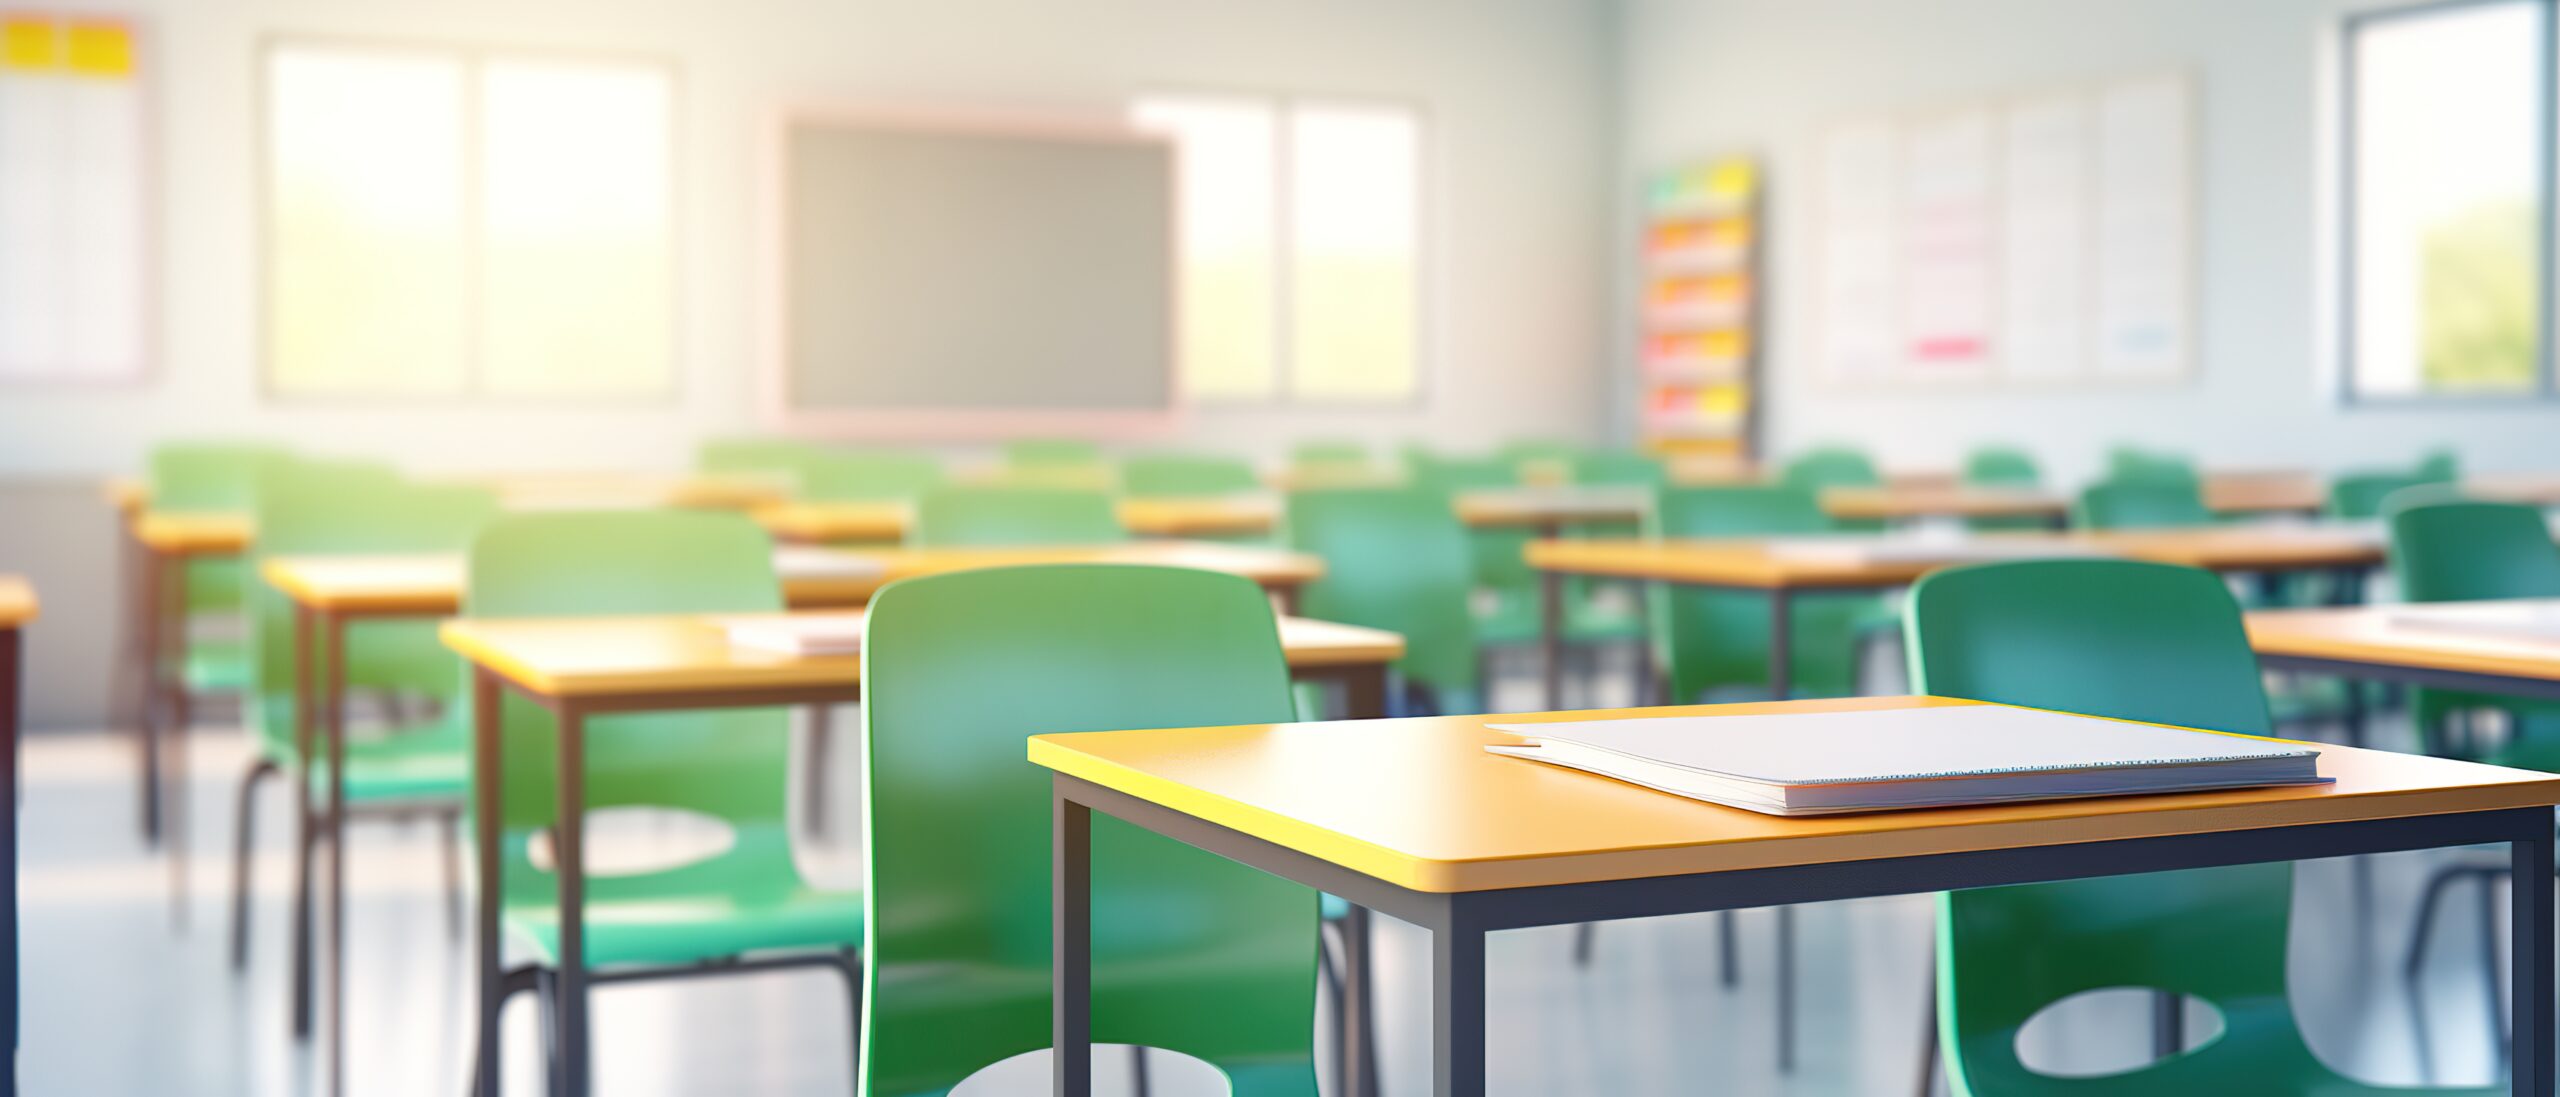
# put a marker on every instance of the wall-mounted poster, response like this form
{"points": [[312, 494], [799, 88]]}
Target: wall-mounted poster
{"points": [[74, 244], [2044, 238]]}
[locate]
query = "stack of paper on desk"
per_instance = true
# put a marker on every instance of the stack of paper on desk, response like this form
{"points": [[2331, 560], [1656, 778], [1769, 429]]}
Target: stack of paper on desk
{"points": [[798, 633], [2534, 620], [1819, 763]]}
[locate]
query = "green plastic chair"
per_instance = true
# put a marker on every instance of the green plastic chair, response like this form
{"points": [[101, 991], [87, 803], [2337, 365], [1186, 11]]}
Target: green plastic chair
{"points": [[2356, 495], [1519, 450], [2440, 465], [2133, 463], [1038, 452], [754, 456], [867, 475], [728, 765], [1618, 468], [321, 508], [2001, 466], [211, 478], [1708, 640], [1395, 559], [1184, 474], [2446, 549], [2140, 503], [2100, 637], [1191, 952], [1328, 452], [1830, 467], [1013, 516]]}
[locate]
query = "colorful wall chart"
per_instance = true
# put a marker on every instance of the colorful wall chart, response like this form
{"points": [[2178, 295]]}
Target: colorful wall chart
{"points": [[2042, 238], [1701, 278], [74, 240]]}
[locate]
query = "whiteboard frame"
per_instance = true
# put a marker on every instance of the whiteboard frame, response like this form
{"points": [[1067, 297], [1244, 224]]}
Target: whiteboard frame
{"points": [[776, 405]]}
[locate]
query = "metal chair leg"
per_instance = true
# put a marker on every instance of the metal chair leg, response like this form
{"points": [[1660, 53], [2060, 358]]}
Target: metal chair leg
{"points": [[1928, 1033], [244, 829], [450, 822], [1138, 1070], [512, 982], [546, 984], [1728, 950], [2491, 964], [849, 964], [1583, 936]]}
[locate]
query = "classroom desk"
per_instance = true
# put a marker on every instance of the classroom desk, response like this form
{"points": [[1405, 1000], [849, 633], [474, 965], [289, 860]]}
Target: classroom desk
{"points": [[2263, 491], [1907, 502], [583, 667], [2541, 489], [1413, 819], [1763, 566], [158, 546], [1547, 510], [18, 609], [886, 521], [2372, 642]]}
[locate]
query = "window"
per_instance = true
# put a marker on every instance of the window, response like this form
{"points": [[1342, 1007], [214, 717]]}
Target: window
{"points": [[443, 222], [1300, 228], [2447, 233], [74, 253]]}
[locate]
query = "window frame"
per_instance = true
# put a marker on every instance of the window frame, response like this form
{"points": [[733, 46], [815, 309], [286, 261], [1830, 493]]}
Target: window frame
{"points": [[1426, 237], [2546, 364], [474, 56]]}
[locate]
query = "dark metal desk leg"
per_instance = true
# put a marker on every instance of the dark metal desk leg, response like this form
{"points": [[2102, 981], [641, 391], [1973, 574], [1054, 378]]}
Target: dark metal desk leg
{"points": [[1364, 692], [1786, 990], [2531, 1042], [1070, 946], [305, 828], [813, 787], [1782, 671], [11, 676], [140, 667], [487, 779], [171, 743], [333, 727], [571, 869], [1359, 1021], [1551, 636], [1457, 1009], [1648, 676]]}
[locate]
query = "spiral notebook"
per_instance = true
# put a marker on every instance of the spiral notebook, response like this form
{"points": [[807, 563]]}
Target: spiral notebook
{"points": [[1819, 763]]}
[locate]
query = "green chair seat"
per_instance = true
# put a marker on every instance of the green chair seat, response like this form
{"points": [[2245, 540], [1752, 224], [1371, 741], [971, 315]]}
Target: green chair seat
{"points": [[748, 898], [420, 762], [217, 665]]}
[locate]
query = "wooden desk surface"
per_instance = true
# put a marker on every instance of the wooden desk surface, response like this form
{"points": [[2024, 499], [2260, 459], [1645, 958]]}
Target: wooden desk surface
{"points": [[1269, 567], [18, 605], [1762, 562], [1204, 516], [880, 522], [1517, 508], [1941, 500], [1420, 804], [592, 657], [174, 534], [2541, 489], [2259, 491], [2371, 635]]}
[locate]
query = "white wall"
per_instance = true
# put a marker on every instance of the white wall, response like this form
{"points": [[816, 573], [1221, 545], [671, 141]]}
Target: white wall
{"points": [[1711, 76], [1519, 183]]}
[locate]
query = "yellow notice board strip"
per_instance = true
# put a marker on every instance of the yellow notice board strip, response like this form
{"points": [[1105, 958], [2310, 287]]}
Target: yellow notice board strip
{"points": [[100, 47], [30, 42]]}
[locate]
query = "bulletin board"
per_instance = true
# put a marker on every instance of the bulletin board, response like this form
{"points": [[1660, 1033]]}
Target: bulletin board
{"points": [[2044, 238], [75, 241], [938, 277]]}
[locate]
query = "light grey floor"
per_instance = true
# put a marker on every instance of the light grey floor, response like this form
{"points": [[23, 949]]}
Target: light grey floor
{"points": [[119, 1003]]}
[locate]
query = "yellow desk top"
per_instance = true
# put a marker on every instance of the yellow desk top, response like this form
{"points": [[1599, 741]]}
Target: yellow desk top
{"points": [[1934, 500], [2540, 489], [18, 604], [174, 534], [1513, 508], [878, 522], [1418, 802], [2370, 634], [1205, 516], [592, 657], [1268, 567], [2262, 491], [1319, 477], [1758, 562]]}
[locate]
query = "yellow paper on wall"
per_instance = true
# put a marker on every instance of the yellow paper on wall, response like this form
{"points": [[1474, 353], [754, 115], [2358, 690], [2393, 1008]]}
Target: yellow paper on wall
{"points": [[29, 42], [101, 48]]}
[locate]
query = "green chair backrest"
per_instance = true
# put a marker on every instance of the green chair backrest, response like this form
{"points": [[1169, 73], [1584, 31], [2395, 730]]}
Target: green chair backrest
{"points": [[1396, 559], [210, 478], [753, 455], [2360, 494], [975, 516], [1328, 452], [2140, 504], [867, 475], [2001, 466], [2441, 464], [1830, 467], [1038, 452], [1618, 467], [1186, 474], [2128, 463], [323, 508], [1496, 553], [1191, 952], [1537, 449], [2132, 641], [1714, 639], [730, 764], [2455, 550]]}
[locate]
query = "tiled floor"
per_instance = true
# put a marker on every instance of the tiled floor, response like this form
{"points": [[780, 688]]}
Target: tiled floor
{"points": [[120, 1003]]}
